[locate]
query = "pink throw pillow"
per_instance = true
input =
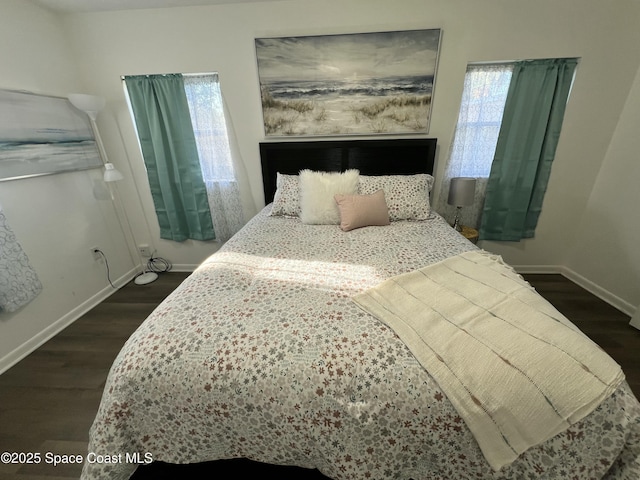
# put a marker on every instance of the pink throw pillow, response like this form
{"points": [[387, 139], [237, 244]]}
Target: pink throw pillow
{"points": [[362, 210]]}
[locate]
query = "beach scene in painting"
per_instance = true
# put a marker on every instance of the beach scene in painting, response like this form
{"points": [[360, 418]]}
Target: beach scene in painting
{"points": [[368, 83], [41, 135]]}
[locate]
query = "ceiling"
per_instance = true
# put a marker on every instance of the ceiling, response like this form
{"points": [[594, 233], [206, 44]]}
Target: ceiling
{"points": [[75, 6]]}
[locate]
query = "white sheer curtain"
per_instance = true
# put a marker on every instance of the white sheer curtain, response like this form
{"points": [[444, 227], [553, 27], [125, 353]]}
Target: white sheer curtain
{"points": [[476, 135], [223, 171]]}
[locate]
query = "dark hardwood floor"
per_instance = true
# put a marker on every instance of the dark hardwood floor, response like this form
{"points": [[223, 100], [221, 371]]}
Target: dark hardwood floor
{"points": [[49, 399], [605, 325]]}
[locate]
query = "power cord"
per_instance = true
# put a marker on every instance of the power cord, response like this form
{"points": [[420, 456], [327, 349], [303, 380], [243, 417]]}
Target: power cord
{"points": [[158, 264], [106, 263], [154, 264]]}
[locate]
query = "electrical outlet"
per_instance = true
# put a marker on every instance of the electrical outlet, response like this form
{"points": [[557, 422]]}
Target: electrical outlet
{"points": [[95, 251], [144, 250]]}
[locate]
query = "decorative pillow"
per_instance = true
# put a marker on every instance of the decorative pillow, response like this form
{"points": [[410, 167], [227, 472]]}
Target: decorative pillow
{"points": [[286, 200], [407, 196], [317, 189], [362, 210]]}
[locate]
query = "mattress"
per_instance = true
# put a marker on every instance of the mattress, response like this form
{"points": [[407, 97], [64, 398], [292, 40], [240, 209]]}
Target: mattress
{"points": [[262, 354]]}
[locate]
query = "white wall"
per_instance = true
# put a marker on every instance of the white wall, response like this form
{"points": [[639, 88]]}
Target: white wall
{"points": [[604, 35], [55, 218], [90, 52], [607, 237]]}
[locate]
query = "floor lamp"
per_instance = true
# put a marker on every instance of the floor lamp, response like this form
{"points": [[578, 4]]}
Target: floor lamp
{"points": [[91, 105]]}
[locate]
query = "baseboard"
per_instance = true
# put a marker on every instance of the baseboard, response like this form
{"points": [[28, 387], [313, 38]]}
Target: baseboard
{"points": [[600, 292], [56, 327], [534, 269], [183, 268]]}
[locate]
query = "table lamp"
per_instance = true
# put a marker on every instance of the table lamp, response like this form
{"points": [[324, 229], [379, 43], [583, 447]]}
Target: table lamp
{"points": [[462, 192]]}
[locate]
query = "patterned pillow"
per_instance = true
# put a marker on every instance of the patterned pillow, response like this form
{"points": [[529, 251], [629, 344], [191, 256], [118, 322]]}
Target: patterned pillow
{"points": [[286, 200], [407, 195]]}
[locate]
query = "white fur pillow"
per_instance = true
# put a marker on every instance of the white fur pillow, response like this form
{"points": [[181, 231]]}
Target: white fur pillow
{"points": [[317, 191]]}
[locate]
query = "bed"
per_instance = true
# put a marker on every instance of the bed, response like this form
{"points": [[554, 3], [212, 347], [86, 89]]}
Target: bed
{"points": [[265, 352]]}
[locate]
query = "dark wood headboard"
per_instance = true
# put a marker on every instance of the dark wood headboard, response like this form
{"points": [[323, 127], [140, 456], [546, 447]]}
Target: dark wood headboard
{"points": [[370, 157]]}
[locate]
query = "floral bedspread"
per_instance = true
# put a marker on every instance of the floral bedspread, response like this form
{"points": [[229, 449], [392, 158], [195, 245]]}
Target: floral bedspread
{"points": [[261, 354]]}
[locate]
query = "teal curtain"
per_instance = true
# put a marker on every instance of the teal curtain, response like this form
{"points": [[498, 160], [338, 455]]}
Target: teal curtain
{"points": [[168, 144], [526, 147]]}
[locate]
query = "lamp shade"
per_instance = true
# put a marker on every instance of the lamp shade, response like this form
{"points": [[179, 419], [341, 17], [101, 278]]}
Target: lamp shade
{"points": [[90, 104], [462, 191], [111, 174]]}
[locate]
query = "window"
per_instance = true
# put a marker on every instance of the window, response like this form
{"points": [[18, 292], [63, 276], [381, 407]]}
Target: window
{"points": [[209, 126], [184, 165], [483, 99], [512, 158], [476, 134]]}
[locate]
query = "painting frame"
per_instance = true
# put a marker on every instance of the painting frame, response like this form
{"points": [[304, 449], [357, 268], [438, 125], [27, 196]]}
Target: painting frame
{"points": [[367, 83], [43, 135]]}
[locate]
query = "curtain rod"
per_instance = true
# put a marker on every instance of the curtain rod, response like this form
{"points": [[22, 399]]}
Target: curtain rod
{"points": [[509, 62], [122, 77]]}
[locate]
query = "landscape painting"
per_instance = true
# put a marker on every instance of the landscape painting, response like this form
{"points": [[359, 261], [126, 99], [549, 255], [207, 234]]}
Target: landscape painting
{"points": [[351, 84], [41, 135]]}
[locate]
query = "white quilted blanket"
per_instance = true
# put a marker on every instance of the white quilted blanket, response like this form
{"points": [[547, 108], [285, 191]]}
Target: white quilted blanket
{"points": [[516, 370]]}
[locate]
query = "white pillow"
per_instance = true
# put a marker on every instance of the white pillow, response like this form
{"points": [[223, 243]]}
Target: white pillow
{"points": [[407, 195], [317, 191]]}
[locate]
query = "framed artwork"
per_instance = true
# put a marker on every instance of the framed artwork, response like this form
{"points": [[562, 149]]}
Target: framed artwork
{"points": [[350, 84], [42, 135]]}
